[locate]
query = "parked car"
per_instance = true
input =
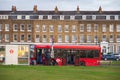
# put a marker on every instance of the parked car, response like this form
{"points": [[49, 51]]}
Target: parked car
{"points": [[112, 56], [117, 56], [108, 57]]}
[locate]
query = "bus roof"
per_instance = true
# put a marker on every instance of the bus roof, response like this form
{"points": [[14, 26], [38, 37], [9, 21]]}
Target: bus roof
{"points": [[82, 47]]}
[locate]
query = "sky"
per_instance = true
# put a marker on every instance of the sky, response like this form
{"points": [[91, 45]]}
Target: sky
{"points": [[63, 5]]}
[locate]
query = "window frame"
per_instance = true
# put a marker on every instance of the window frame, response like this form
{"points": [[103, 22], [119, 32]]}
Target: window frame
{"points": [[82, 38], [67, 38], [37, 38], [15, 27], [111, 28], [0, 27], [118, 28], [7, 27], [7, 37], [44, 28], [59, 28], [44, 38], [29, 27], [22, 38], [82, 28], [89, 27], [15, 37], [73, 28], [22, 27], [59, 38], [66, 28], [51, 28], [104, 28]]}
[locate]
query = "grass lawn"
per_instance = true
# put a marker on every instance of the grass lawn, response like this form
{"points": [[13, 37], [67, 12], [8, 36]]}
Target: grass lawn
{"points": [[13, 72]]}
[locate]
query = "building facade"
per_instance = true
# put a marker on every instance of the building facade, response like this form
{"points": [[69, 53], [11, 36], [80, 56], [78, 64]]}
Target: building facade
{"points": [[65, 27]]}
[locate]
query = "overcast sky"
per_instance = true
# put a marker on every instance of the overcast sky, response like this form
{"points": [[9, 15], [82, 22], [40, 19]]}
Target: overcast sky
{"points": [[61, 4]]}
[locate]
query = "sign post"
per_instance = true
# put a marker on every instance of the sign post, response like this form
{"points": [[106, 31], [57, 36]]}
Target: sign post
{"points": [[52, 50]]}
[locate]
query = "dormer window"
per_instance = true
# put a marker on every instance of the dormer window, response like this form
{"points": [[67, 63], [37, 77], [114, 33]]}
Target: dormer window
{"points": [[89, 17], [23, 17], [67, 17], [56, 17], [45, 17], [116, 17], [100, 17], [27, 17], [112, 17], [119, 17], [61, 17], [49, 17], [84, 17], [3, 16], [19, 16], [72, 17], [41, 17], [78, 17]]}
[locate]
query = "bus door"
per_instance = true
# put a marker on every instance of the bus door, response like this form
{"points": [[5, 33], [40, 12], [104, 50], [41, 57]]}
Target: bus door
{"points": [[67, 52], [70, 56], [60, 56], [77, 58], [64, 57], [39, 56]]}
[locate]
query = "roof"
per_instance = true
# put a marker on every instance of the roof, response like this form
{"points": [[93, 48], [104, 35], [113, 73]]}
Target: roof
{"points": [[60, 13], [85, 47]]}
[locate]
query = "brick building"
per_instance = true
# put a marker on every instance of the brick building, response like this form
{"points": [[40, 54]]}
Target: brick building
{"points": [[65, 27]]}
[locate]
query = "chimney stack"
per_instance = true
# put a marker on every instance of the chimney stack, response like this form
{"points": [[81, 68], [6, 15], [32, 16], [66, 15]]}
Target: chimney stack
{"points": [[14, 8], [35, 9], [56, 9], [100, 10], [78, 10]]}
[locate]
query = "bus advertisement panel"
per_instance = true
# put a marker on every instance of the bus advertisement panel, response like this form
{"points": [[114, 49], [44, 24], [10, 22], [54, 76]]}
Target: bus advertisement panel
{"points": [[23, 54]]}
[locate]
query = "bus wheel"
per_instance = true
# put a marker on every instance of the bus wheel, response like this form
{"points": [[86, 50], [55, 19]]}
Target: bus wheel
{"points": [[82, 63], [117, 59]]}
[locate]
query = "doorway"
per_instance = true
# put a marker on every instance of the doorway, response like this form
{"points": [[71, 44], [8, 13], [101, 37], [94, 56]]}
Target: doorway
{"points": [[71, 57], [39, 56]]}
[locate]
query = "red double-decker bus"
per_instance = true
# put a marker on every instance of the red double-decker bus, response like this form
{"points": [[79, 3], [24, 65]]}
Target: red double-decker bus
{"points": [[82, 55]]}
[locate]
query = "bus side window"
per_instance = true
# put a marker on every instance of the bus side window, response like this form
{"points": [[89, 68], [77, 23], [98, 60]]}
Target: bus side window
{"points": [[90, 54], [96, 53], [82, 54]]}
